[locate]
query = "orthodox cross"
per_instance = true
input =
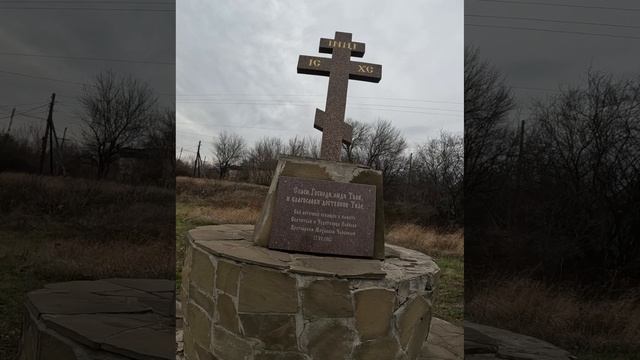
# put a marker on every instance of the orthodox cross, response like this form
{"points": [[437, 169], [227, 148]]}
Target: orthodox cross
{"points": [[339, 68]]}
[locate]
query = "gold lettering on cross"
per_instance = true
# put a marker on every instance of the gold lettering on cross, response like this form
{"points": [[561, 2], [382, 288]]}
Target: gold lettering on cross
{"points": [[314, 62], [365, 68]]}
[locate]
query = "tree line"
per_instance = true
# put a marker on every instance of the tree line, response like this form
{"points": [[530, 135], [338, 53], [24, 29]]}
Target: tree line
{"points": [[557, 193], [426, 184], [120, 119]]}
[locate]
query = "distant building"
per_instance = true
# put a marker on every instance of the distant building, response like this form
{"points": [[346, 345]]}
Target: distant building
{"points": [[143, 165]]}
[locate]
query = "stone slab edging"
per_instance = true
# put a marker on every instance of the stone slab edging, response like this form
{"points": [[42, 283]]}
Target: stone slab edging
{"points": [[482, 342], [234, 242], [111, 319]]}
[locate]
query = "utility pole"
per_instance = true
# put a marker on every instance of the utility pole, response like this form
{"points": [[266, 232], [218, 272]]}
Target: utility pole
{"points": [[13, 113], [196, 164], [180, 156], [408, 184], [61, 152], [64, 137], [46, 134]]}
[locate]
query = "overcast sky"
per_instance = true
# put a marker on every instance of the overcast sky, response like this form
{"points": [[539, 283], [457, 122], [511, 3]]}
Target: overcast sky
{"points": [[236, 66], [34, 35], [538, 57]]}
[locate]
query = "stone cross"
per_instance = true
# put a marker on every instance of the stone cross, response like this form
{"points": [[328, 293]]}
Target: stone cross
{"points": [[339, 68]]}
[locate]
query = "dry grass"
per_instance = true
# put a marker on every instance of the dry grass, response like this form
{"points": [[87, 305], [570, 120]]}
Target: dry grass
{"points": [[580, 322], [60, 229], [426, 240], [210, 215], [68, 207], [220, 194]]}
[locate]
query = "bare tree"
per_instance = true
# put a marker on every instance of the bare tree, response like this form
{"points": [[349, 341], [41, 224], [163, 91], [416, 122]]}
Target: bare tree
{"points": [[383, 149], [487, 101], [360, 133], [161, 142], [589, 167], [263, 158], [313, 147], [229, 148], [440, 167], [117, 113], [297, 146]]}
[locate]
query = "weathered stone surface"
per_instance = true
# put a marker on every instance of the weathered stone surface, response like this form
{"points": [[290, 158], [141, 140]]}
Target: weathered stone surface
{"points": [[85, 286], [199, 325], [445, 342], [243, 251], [53, 347], [230, 347], [277, 332], [186, 274], [202, 300], [93, 329], [203, 272], [504, 344], [227, 314], [321, 170], [204, 354], [411, 319], [330, 339], [143, 342], [374, 309], [147, 285], [335, 266], [265, 291], [49, 302], [327, 299], [102, 320], [384, 348], [227, 277], [279, 355], [189, 344], [419, 335]]}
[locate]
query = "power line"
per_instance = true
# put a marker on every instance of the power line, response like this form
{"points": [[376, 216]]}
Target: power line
{"points": [[285, 102], [42, 77], [555, 31], [551, 21], [88, 2], [313, 95], [64, 81], [89, 9], [561, 5], [88, 58], [377, 108]]}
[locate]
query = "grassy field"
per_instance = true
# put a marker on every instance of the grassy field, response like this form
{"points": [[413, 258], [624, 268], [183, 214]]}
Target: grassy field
{"points": [[60, 229], [207, 202], [586, 323]]}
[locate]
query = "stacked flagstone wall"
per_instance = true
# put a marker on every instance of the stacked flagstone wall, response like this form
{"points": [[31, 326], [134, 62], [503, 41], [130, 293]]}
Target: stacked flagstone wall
{"points": [[242, 301]]}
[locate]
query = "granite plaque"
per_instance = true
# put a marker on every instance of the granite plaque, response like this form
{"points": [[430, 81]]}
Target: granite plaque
{"points": [[325, 217]]}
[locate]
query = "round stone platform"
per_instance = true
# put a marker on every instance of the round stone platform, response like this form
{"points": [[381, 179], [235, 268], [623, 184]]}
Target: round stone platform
{"points": [[112, 319], [242, 301]]}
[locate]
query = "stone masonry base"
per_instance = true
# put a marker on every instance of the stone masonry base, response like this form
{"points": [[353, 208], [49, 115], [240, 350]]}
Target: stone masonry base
{"points": [[245, 302]]}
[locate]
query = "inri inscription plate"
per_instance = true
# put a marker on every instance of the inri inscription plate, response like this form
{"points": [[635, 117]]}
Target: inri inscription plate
{"points": [[324, 217]]}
